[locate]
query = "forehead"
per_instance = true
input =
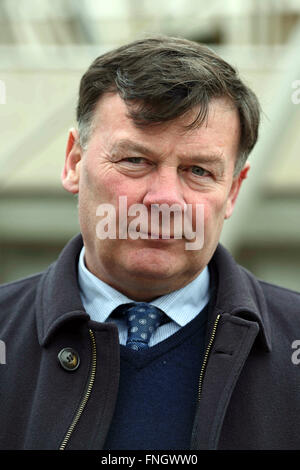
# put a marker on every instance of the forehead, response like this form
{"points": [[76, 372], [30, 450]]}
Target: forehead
{"points": [[221, 128]]}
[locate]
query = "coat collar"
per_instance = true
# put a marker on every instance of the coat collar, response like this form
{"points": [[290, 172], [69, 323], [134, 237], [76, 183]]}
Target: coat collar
{"points": [[240, 294], [58, 299]]}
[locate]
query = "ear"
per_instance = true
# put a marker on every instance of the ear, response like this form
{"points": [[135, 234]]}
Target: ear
{"points": [[71, 170], [235, 189]]}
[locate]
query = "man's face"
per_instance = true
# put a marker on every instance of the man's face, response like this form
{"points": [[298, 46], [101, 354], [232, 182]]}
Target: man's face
{"points": [[160, 164]]}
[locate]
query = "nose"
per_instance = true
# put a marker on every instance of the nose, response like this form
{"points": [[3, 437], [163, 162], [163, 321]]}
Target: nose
{"points": [[165, 188]]}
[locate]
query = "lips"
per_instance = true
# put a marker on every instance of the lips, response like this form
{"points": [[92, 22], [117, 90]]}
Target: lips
{"points": [[156, 236]]}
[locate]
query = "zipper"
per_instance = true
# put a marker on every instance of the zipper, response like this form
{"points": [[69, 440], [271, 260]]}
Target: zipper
{"points": [[206, 355], [86, 395]]}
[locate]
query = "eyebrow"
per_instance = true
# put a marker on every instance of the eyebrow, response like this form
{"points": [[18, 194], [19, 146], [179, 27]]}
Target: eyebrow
{"points": [[127, 145]]}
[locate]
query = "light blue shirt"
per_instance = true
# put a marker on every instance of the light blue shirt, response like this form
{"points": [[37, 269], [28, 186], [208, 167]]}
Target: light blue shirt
{"points": [[183, 305]]}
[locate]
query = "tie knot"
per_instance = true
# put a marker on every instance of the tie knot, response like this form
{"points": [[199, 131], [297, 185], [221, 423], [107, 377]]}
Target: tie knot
{"points": [[142, 321]]}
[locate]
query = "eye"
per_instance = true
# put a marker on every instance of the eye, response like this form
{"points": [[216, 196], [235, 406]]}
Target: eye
{"points": [[135, 166], [199, 171], [134, 160]]}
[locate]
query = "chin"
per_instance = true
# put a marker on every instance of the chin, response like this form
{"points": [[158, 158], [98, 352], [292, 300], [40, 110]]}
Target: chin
{"points": [[151, 270]]}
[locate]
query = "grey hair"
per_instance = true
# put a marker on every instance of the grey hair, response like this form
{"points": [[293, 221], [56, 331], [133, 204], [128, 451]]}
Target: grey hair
{"points": [[85, 129]]}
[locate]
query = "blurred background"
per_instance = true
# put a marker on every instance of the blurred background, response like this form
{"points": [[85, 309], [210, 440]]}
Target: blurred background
{"points": [[46, 46]]}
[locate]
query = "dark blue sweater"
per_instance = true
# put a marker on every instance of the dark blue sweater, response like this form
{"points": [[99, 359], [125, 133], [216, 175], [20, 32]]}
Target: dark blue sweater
{"points": [[158, 392]]}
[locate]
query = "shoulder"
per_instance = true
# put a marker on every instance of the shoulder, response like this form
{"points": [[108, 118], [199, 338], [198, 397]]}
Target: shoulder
{"points": [[279, 295], [17, 298], [10, 289], [286, 301], [273, 292], [281, 305], [279, 291]]}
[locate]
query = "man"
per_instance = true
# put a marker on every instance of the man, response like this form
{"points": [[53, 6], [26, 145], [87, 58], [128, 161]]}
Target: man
{"points": [[137, 340]]}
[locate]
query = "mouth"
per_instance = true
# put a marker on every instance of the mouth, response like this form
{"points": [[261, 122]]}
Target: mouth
{"points": [[157, 237], [153, 236]]}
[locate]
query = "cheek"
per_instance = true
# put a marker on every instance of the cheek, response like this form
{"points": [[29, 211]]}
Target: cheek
{"points": [[214, 212], [118, 187], [97, 185], [105, 184]]}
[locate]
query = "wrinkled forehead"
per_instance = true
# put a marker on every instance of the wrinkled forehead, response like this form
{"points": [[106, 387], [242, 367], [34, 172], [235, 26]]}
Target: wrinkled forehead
{"points": [[111, 109]]}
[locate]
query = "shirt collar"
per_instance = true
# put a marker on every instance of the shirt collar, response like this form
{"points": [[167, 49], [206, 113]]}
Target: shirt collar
{"points": [[181, 306]]}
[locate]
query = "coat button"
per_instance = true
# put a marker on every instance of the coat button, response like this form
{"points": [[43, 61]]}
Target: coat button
{"points": [[69, 359]]}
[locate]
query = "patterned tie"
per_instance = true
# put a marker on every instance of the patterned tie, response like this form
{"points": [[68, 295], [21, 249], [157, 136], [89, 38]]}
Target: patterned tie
{"points": [[142, 320]]}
